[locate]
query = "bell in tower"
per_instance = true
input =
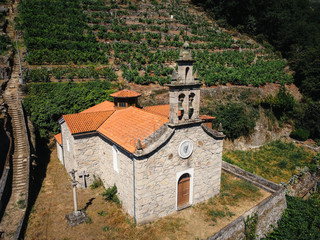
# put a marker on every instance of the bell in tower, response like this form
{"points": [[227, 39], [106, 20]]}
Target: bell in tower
{"points": [[184, 90]]}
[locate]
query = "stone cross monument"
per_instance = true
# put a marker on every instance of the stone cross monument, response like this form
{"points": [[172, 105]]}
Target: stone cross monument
{"points": [[83, 175], [77, 216]]}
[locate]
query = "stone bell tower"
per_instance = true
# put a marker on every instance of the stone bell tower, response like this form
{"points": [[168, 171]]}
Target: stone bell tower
{"points": [[184, 90]]}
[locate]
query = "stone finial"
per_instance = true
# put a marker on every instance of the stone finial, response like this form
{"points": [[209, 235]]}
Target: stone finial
{"points": [[139, 145], [220, 129], [196, 75], [175, 76], [185, 53], [185, 45]]}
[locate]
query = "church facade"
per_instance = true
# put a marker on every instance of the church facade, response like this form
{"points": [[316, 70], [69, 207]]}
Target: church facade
{"points": [[161, 158]]}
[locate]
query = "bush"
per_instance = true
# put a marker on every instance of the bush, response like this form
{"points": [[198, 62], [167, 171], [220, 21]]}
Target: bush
{"points": [[300, 220], [235, 119], [307, 117], [110, 195], [96, 183], [46, 102], [300, 134], [282, 104]]}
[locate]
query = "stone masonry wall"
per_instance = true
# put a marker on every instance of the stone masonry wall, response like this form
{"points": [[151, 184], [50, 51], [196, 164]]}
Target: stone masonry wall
{"points": [[269, 211], [68, 154], [87, 154], [123, 178], [93, 154], [157, 176]]}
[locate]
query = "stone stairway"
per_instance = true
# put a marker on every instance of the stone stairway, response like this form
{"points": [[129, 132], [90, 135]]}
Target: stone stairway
{"points": [[16, 207]]}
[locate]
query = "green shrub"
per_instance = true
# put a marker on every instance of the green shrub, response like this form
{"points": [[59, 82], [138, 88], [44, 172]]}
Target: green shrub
{"points": [[282, 104], [300, 134], [88, 220], [4, 43], [106, 228], [47, 102], [301, 220], [96, 183], [21, 203], [283, 164], [102, 213], [307, 117], [235, 119], [110, 195], [216, 214]]}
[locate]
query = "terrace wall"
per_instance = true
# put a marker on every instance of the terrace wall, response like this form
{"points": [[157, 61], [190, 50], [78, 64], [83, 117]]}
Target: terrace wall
{"points": [[268, 212]]}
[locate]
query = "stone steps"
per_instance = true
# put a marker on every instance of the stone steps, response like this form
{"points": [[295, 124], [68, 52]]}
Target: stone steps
{"points": [[13, 214]]}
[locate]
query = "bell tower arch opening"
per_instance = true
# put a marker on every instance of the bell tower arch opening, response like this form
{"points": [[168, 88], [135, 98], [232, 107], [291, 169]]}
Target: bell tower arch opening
{"points": [[186, 75]]}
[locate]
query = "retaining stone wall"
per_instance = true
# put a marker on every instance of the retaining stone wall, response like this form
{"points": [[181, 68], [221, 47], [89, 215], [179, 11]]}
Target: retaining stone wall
{"points": [[269, 211]]}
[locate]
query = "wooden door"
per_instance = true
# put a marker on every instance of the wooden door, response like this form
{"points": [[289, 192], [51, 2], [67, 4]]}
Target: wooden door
{"points": [[183, 190]]}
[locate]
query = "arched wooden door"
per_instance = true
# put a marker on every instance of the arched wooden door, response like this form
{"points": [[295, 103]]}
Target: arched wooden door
{"points": [[183, 190]]}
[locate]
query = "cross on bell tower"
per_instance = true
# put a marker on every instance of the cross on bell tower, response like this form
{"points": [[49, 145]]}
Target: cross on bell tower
{"points": [[184, 90]]}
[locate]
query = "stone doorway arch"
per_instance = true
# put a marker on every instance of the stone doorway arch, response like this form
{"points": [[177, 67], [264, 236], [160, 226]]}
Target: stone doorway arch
{"points": [[179, 176], [184, 190]]}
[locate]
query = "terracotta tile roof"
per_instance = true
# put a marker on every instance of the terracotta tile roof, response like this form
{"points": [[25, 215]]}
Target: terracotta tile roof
{"points": [[125, 94], [104, 106], [126, 126], [162, 110], [206, 117], [85, 122], [123, 127], [58, 138]]}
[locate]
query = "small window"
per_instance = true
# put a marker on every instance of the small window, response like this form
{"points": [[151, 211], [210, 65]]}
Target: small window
{"points": [[187, 72], [122, 104], [68, 145], [115, 158]]}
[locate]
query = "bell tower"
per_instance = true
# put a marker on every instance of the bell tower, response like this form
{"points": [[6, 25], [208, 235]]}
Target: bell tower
{"points": [[184, 90]]}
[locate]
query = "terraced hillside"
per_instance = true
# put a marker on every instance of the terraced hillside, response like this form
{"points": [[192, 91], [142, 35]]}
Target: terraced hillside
{"points": [[137, 41]]}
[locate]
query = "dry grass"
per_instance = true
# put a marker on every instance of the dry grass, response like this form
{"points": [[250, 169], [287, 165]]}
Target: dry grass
{"points": [[109, 221]]}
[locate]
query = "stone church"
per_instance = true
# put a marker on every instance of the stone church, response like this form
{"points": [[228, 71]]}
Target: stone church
{"points": [[161, 158]]}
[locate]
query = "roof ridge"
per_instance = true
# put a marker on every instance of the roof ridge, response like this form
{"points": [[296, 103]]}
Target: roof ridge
{"points": [[89, 112], [102, 115], [113, 111]]}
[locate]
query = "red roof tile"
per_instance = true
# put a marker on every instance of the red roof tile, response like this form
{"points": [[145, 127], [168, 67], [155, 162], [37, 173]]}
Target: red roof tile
{"points": [[104, 106], [125, 94], [85, 122], [123, 127], [58, 138], [162, 110], [126, 126], [206, 117]]}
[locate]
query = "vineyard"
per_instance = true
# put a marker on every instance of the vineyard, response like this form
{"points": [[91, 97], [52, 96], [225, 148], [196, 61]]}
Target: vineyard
{"points": [[81, 40]]}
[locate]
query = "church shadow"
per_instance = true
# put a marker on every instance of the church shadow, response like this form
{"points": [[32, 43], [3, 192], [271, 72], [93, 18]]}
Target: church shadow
{"points": [[40, 160], [88, 204]]}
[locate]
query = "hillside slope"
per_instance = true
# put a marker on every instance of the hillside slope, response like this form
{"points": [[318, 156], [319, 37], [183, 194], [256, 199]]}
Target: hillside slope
{"points": [[139, 41]]}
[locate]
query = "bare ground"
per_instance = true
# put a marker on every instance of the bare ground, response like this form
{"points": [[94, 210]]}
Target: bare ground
{"points": [[47, 218]]}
